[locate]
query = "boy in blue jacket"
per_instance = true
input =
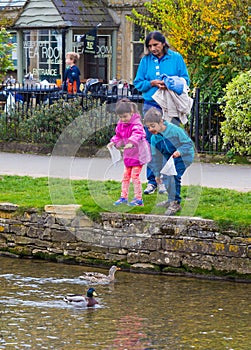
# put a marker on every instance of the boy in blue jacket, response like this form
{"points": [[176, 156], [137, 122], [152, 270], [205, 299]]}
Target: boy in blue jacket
{"points": [[72, 74], [168, 140]]}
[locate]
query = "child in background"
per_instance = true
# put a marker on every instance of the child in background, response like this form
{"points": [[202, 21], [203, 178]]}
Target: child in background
{"points": [[169, 140], [72, 74], [130, 133]]}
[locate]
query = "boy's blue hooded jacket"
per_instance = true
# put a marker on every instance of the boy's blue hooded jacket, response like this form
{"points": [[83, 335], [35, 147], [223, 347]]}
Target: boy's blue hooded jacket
{"points": [[172, 139], [151, 68]]}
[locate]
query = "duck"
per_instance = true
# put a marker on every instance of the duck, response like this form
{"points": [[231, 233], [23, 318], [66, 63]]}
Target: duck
{"points": [[87, 300], [96, 277]]}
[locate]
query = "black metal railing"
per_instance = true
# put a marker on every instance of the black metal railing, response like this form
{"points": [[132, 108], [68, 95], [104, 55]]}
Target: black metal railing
{"points": [[31, 95], [204, 121], [205, 125]]}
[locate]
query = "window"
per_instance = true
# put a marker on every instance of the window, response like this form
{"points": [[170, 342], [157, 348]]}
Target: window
{"points": [[138, 47], [96, 66], [42, 51]]}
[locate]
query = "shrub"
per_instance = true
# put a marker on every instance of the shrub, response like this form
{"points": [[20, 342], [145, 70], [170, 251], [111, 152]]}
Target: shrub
{"points": [[236, 128], [63, 119]]}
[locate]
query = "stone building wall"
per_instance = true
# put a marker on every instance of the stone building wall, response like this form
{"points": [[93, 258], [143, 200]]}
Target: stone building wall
{"points": [[149, 243], [124, 47]]}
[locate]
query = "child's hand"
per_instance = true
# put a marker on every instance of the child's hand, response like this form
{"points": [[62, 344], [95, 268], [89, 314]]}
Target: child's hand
{"points": [[128, 145], [176, 154], [110, 144], [158, 180]]}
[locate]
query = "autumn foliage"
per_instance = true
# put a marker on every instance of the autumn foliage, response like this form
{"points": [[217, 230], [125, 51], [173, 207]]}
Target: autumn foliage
{"points": [[214, 37], [6, 47]]}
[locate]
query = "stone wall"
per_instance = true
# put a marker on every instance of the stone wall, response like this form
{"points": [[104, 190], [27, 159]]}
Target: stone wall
{"points": [[147, 243]]}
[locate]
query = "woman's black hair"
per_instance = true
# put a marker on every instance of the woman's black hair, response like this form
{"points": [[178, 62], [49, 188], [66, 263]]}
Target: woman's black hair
{"points": [[158, 37]]}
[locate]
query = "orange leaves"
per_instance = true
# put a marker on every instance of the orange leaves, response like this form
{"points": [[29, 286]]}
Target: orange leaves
{"points": [[193, 27], [213, 36]]}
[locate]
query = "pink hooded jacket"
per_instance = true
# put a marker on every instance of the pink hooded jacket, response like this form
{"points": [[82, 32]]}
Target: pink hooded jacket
{"points": [[132, 132]]}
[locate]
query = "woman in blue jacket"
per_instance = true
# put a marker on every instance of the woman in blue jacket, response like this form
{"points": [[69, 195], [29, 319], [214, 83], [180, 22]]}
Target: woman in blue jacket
{"points": [[160, 59]]}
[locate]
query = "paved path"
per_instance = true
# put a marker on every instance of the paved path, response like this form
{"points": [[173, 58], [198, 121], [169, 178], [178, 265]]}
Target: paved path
{"points": [[237, 177]]}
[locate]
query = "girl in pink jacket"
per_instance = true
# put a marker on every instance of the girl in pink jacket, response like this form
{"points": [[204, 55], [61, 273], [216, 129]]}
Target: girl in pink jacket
{"points": [[130, 133]]}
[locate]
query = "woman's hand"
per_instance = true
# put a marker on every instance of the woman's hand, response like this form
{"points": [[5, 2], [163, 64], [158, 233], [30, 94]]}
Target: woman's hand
{"points": [[158, 83]]}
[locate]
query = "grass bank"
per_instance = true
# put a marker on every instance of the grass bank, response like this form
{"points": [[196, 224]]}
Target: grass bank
{"points": [[227, 207]]}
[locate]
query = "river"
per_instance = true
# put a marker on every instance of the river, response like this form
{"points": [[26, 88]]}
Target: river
{"points": [[137, 311]]}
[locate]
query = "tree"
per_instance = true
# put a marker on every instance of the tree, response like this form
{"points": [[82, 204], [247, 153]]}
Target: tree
{"points": [[214, 36], [7, 19], [6, 47]]}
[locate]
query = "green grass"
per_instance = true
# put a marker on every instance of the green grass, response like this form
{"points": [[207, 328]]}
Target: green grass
{"points": [[227, 207]]}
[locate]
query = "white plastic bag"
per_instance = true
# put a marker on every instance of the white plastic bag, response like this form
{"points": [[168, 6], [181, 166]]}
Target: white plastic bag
{"points": [[115, 154], [44, 83], [169, 168], [10, 103]]}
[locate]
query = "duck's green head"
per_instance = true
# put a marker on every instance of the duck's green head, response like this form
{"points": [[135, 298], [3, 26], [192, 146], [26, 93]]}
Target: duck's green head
{"points": [[91, 293]]}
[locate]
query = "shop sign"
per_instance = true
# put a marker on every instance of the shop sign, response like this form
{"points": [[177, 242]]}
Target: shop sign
{"points": [[103, 51], [40, 71], [89, 41], [43, 51]]}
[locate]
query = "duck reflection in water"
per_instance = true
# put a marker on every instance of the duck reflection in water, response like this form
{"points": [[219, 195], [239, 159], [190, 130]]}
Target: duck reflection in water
{"points": [[82, 300]]}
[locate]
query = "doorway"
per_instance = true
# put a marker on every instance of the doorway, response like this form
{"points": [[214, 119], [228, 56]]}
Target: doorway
{"points": [[98, 65]]}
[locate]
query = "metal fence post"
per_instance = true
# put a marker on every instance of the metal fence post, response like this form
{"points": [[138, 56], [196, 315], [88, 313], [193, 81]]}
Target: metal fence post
{"points": [[197, 119]]}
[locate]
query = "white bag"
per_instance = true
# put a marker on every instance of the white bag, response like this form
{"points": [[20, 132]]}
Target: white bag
{"points": [[10, 103], [115, 154], [169, 168]]}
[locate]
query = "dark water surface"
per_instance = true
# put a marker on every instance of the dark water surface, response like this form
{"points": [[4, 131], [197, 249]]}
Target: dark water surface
{"points": [[136, 312]]}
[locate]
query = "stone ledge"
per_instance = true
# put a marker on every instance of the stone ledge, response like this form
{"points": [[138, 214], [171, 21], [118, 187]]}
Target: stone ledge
{"points": [[152, 218], [147, 243], [68, 211], [9, 207]]}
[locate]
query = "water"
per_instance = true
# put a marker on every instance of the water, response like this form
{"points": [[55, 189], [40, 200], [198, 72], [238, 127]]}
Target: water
{"points": [[137, 312]]}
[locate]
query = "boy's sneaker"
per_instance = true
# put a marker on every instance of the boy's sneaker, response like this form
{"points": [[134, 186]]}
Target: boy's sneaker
{"points": [[150, 189], [162, 189], [136, 203], [164, 204], [121, 200], [173, 208]]}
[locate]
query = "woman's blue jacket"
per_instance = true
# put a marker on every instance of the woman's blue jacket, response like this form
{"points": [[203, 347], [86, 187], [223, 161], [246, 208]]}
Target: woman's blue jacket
{"points": [[151, 68]]}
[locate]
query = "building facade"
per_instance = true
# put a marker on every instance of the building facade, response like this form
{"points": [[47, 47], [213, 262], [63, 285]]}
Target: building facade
{"points": [[109, 45]]}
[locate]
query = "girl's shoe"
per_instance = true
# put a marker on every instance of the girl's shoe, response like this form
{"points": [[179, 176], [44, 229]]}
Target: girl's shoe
{"points": [[136, 203], [121, 200]]}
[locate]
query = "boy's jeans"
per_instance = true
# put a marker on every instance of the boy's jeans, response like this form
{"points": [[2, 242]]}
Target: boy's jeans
{"points": [[173, 183]]}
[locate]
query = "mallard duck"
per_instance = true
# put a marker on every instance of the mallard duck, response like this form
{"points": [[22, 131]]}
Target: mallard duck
{"points": [[96, 277], [82, 300]]}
